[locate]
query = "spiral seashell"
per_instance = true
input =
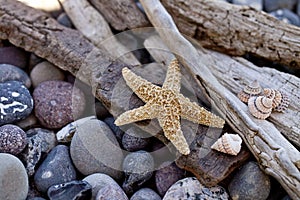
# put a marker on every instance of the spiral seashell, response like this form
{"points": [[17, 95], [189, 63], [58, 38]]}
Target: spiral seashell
{"points": [[280, 99], [228, 143], [260, 107], [252, 89]]}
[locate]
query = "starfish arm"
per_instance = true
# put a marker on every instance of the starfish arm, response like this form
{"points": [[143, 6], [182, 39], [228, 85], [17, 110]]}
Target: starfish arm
{"points": [[144, 89], [172, 130], [172, 81], [193, 112], [138, 114]]}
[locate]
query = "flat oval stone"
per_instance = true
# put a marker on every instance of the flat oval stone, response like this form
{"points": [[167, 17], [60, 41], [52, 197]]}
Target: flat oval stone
{"points": [[191, 188], [15, 102], [13, 178], [13, 56], [57, 103], [145, 193], [250, 183], [13, 73], [45, 71], [94, 148], [57, 168], [133, 140], [100, 181], [138, 168], [73, 190], [12, 139]]}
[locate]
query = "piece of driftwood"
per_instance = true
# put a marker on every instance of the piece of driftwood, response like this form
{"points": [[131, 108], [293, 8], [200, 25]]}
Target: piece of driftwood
{"points": [[121, 14], [276, 156], [93, 26], [237, 30], [235, 73]]}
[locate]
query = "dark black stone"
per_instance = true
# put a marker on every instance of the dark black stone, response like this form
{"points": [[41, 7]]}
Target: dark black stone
{"points": [[16, 102], [110, 121], [57, 168], [73, 190]]}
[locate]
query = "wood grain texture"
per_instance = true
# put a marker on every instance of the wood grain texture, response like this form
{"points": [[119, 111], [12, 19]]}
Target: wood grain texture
{"points": [[121, 14], [275, 155], [237, 30]]}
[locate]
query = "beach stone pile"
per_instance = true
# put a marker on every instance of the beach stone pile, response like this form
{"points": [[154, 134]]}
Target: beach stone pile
{"points": [[99, 161]]}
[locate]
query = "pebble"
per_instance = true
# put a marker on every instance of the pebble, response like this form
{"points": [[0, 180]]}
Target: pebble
{"points": [[134, 140], [286, 16], [166, 176], [13, 178], [191, 188], [145, 193], [73, 190], [57, 168], [57, 103], [12, 139], [101, 111], [29, 122], [110, 193], [298, 8], [13, 56], [110, 121], [12, 73], [15, 102], [257, 4], [45, 71], [39, 141], [99, 181], [34, 60], [138, 168], [94, 148], [250, 183], [64, 20], [271, 5], [37, 198]]}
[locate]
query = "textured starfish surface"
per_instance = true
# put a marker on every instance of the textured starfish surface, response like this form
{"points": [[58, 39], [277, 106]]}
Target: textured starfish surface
{"points": [[167, 104]]}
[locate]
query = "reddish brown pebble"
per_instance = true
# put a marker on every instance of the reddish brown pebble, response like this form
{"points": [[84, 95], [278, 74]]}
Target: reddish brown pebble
{"points": [[57, 103]]}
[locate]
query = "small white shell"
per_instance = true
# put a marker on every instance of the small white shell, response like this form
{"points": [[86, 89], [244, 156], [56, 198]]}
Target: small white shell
{"points": [[260, 107], [228, 143], [280, 101], [252, 89]]}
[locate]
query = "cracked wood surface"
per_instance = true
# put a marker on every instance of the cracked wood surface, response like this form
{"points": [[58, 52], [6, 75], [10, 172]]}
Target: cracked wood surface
{"points": [[275, 155], [237, 30], [121, 14]]}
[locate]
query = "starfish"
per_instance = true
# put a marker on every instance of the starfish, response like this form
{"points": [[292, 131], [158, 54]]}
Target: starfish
{"points": [[168, 105]]}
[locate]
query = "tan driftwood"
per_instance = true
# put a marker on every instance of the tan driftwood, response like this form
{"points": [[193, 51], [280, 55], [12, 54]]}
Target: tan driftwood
{"points": [[235, 73], [93, 26], [276, 156], [121, 14], [237, 30]]}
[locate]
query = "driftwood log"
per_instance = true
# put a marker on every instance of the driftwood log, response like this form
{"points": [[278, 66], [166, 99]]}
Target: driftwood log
{"points": [[237, 30], [121, 14], [276, 156]]}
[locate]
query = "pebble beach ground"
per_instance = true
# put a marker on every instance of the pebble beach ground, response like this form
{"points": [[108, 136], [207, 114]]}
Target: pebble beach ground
{"points": [[100, 161]]}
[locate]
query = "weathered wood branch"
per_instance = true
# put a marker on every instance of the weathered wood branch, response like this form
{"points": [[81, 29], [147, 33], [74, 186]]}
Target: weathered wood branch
{"points": [[237, 30], [93, 26], [121, 14], [276, 156]]}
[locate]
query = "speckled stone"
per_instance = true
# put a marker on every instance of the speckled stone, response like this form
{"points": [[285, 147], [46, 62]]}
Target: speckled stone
{"points": [[145, 193], [14, 56], [191, 188], [166, 176], [45, 71], [110, 193], [133, 140], [57, 168], [271, 5], [94, 148], [13, 178], [250, 183], [15, 102], [12, 139], [39, 141], [110, 121], [286, 16], [138, 168], [257, 4], [73, 190], [100, 181], [63, 19], [57, 103], [13, 73]]}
